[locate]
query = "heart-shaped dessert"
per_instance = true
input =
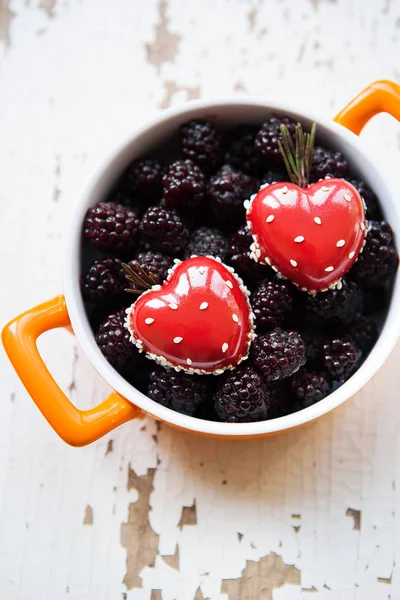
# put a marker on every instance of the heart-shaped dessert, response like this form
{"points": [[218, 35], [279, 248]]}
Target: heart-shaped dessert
{"points": [[311, 236], [199, 320]]}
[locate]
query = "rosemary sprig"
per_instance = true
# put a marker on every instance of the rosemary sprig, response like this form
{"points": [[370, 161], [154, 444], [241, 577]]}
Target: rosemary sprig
{"points": [[297, 155], [140, 279]]}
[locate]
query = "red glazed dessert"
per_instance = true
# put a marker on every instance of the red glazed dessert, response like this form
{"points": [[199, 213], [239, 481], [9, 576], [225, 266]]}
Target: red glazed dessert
{"points": [[311, 236], [198, 321]]}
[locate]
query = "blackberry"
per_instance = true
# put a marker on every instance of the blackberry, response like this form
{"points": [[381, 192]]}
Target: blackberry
{"points": [[340, 357], [114, 341], [327, 163], [266, 143], [226, 191], [278, 354], [143, 180], [241, 240], [370, 199], [206, 412], [273, 176], [104, 280], [181, 392], [239, 257], [121, 197], [110, 226], [272, 303], [314, 341], [240, 152], [163, 230], [377, 300], [207, 241], [241, 397], [379, 260], [139, 376], [309, 388], [364, 332], [337, 306], [155, 263], [183, 185], [281, 400], [201, 143]]}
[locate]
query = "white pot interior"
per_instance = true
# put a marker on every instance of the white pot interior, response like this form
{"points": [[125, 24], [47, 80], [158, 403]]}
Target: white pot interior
{"points": [[159, 131]]}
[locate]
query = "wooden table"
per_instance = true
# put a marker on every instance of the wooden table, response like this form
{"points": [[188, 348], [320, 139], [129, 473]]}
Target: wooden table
{"points": [[149, 513]]}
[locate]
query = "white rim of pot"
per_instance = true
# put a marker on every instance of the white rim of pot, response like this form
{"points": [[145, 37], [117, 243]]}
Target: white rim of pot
{"points": [[387, 339]]}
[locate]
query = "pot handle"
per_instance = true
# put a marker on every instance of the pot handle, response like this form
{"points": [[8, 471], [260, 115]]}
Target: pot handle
{"points": [[379, 96], [74, 426]]}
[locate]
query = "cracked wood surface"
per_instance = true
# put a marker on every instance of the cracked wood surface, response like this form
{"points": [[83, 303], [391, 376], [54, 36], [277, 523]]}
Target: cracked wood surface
{"points": [[149, 513]]}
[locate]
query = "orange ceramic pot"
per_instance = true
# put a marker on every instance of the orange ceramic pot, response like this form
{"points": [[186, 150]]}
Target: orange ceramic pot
{"points": [[78, 427]]}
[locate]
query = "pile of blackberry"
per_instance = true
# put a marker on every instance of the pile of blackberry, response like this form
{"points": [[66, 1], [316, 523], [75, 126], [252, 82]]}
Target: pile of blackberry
{"points": [[191, 203]]}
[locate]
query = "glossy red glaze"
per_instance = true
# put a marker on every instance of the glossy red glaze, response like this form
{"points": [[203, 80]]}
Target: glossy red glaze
{"points": [[329, 215], [204, 308]]}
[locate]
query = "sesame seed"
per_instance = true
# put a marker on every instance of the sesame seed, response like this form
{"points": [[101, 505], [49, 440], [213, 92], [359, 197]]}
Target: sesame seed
{"points": [[317, 220], [189, 362], [149, 321], [203, 305], [324, 188], [267, 261], [270, 218], [263, 186], [299, 238], [173, 306], [218, 371], [156, 288], [229, 284], [347, 197], [258, 252], [293, 262], [351, 255], [225, 347], [177, 340], [235, 318], [250, 225], [285, 189], [340, 243], [246, 204], [329, 269], [362, 226]]}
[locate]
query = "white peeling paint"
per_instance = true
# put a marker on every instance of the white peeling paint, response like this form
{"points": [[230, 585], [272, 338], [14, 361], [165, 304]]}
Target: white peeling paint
{"points": [[60, 114]]}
